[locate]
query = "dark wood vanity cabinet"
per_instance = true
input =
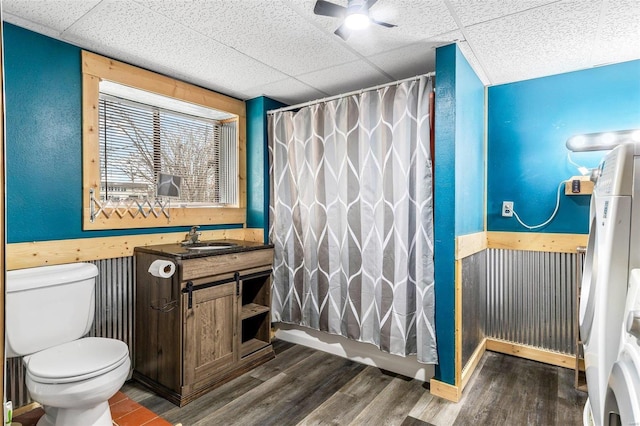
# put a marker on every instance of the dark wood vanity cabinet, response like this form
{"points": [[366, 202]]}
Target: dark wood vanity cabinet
{"points": [[205, 325]]}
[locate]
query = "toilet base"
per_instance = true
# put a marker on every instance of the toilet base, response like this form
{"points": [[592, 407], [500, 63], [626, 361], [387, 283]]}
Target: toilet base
{"points": [[100, 415]]}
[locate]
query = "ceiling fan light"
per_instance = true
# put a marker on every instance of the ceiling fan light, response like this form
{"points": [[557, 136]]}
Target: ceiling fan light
{"points": [[357, 21]]}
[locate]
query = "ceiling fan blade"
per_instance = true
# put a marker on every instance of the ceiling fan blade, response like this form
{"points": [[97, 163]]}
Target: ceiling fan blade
{"points": [[371, 3], [384, 24], [343, 32], [326, 8]]}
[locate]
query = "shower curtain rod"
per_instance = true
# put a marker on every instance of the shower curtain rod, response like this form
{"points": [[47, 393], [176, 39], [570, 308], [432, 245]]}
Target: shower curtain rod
{"points": [[331, 98]]}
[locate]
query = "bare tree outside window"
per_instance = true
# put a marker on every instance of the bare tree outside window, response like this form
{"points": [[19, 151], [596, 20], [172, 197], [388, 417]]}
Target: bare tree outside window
{"points": [[138, 141]]}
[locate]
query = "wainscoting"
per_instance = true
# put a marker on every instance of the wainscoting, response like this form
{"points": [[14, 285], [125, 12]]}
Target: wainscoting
{"points": [[510, 298], [516, 294], [531, 299]]}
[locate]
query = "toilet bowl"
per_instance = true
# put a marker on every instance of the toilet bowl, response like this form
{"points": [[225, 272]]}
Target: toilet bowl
{"points": [[77, 378], [49, 309]]}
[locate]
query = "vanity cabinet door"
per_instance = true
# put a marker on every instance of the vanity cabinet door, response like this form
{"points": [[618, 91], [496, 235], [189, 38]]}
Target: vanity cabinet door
{"points": [[210, 331]]}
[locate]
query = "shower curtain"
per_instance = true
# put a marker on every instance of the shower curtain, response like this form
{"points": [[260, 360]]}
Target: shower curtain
{"points": [[351, 218]]}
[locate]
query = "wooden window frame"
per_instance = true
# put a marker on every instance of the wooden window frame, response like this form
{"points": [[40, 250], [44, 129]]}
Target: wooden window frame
{"points": [[96, 68]]}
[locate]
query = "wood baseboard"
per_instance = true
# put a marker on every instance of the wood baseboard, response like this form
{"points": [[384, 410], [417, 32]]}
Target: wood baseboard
{"points": [[25, 409], [531, 353], [445, 390], [470, 368], [454, 393]]}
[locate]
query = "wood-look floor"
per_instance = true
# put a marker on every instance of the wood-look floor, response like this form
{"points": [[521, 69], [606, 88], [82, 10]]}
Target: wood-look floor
{"points": [[302, 386]]}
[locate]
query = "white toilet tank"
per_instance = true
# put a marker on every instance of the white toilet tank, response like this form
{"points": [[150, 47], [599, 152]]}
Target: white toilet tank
{"points": [[48, 305]]}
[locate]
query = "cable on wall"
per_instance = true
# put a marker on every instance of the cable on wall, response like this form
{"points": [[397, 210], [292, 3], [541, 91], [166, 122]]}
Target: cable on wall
{"points": [[546, 222], [582, 169]]}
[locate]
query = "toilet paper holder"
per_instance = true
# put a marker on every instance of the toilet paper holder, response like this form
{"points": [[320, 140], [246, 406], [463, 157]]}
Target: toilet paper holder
{"points": [[163, 304]]}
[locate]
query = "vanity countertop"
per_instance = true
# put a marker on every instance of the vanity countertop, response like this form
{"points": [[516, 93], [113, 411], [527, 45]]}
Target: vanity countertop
{"points": [[178, 251]]}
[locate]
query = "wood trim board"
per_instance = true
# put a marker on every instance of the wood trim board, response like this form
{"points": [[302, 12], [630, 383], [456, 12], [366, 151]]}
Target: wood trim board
{"points": [[531, 353], [178, 217], [467, 245], [532, 241], [150, 81], [445, 390], [470, 368], [454, 392], [40, 253], [458, 322], [254, 234]]}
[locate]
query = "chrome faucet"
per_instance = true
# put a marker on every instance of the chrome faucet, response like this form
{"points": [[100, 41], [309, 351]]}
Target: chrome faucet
{"points": [[193, 236]]}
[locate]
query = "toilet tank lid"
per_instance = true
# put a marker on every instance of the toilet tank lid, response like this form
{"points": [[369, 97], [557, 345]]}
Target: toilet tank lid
{"points": [[43, 276]]}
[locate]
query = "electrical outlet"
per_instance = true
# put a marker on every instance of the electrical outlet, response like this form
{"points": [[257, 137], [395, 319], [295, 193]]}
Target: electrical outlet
{"points": [[507, 209]]}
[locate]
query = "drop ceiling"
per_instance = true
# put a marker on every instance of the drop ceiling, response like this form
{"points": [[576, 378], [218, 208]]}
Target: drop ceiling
{"points": [[280, 49]]}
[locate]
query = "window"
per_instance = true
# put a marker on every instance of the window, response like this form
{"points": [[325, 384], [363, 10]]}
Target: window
{"points": [[141, 141], [157, 151]]}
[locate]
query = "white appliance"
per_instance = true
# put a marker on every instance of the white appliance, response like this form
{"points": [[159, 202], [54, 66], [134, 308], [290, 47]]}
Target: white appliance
{"points": [[605, 277], [622, 400], [48, 310]]}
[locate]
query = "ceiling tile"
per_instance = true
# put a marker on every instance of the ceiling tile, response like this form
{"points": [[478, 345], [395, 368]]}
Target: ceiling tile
{"points": [[344, 78], [414, 59], [289, 91], [55, 15], [394, 62], [547, 40], [132, 33], [50, 18], [619, 32], [24, 23], [473, 12], [270, 31]]}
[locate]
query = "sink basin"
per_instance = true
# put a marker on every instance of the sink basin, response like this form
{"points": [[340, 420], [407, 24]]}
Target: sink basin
{"points": [[210, 245], [209, 248]]}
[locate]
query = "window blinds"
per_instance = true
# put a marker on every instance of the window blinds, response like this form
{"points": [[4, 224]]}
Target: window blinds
{"points": [[138, 141]]}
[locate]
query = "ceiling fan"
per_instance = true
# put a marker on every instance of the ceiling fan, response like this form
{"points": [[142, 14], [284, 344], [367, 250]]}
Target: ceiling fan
{"points": [[355, 15]]}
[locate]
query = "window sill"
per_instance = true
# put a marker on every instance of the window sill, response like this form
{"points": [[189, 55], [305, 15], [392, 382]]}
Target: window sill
{"points": [[177, 217]]}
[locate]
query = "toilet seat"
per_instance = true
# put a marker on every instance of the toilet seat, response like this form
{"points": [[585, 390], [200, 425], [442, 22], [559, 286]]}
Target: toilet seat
{"points": [[77, 360]]}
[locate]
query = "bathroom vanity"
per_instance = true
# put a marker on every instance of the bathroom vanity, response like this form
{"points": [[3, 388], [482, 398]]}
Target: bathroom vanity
{"points": [[207, 323]]}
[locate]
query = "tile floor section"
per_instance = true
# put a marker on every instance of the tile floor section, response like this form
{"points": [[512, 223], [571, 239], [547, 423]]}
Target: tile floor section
{"points": [[124, 412]]}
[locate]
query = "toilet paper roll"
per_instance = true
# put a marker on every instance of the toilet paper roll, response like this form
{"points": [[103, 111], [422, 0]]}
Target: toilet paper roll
{"points": [[162, 268]]}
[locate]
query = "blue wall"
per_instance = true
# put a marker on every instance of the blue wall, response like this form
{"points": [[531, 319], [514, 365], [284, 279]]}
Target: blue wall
{"points": [[470, 161], [258, 163], [43, 89], [459, 185], [528, 125]]}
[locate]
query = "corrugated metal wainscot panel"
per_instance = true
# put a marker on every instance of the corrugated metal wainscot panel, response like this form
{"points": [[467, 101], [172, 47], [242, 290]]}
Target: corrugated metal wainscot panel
{"points": [[115, 290], [531, 298], [474, 284]]}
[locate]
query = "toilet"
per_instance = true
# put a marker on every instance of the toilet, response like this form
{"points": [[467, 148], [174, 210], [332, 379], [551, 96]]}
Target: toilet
{"points": [[48, 310]]}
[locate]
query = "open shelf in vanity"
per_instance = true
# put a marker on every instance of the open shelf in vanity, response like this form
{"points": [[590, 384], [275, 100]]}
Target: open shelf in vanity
{"points": [[255, 313]]}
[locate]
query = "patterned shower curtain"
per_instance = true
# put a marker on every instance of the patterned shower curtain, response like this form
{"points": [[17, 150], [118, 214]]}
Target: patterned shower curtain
{"points": [[351, 218]]}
